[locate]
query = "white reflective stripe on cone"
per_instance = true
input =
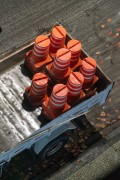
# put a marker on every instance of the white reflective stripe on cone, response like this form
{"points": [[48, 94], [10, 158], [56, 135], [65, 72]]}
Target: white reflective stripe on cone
{"points": [[40, 47], [88, 78], [41, 51], [38, 54], [38, 90], [89, 70], [75, 93], [59, 68], [80, 84], [58, 105], [57, 97], [58, 101], [37, 86], [73, 88], [56, 42], [85, 73], [62, 64]]}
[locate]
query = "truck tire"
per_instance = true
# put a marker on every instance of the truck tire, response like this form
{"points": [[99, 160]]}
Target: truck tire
{"points": [[53, 147]]}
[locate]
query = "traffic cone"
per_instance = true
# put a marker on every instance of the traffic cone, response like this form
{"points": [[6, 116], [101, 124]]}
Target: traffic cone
{"points": [[36, 93], [57, 103], [39, 57], [57, 39], [59, 69], [88, 69], [74, 85], [75, 48]]}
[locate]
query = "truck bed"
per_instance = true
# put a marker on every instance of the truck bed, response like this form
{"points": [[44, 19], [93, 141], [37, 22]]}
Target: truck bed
{"points": [[15, 122]]}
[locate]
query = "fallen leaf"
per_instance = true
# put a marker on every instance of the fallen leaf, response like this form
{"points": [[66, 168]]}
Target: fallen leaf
{"points": [[109, 99], [110, 33], [102, 26], [92, 123], [103, 119], [118, 30], [78, 161], [118, 44], [108, 114], [116, 35], [108, 122], [118, 117], [98, 118], [109, 20], [112, 121], [103, 114], [116, 110], [100, 125], [98, 52]]}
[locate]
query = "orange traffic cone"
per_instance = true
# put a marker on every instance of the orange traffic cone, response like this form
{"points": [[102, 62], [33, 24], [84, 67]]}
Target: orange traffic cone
{"points": [[59, 70], [36, 93], [88, 69], [57, 39], [39, 57], [57, 103], [75, 48], [74, 85]]}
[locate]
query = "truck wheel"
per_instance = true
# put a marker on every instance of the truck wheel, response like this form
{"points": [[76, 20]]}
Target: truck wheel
{"points": [[53, 147]]}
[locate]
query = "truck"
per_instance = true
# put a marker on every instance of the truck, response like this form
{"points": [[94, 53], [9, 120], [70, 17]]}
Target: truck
{"points": [[21, 129]]}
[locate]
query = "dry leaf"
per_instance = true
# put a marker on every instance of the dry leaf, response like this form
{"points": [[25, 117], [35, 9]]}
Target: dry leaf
{"points": [[98, 52], [118, 117], [100, 125], [98, 118], [92, 123], [109, 99], [118, 30], [109, 20], [108, 122], [103, 114], [118, 44], [108, 114], [116, 110], [116, 35], [103, 119], [110, 33], [102, 26], [114, 120]]}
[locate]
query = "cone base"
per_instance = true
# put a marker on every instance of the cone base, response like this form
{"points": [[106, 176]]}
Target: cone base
{"points": [[35, 66], [57, 78], [48, 113], [71, 100], [76, 66], [35, 102], [90, 86]]}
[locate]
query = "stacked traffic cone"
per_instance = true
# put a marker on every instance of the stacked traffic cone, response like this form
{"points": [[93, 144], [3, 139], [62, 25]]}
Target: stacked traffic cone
{"points": [[59, 70], [88, 69], [39, 57], [75, 48], [57, 103], [74, 85], [57, 39], [36, 93]]}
